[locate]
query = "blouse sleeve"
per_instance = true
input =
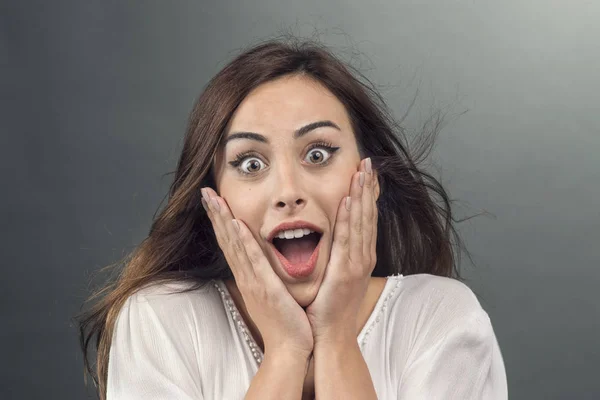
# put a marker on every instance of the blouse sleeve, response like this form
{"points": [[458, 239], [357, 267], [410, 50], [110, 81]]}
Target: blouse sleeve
{"points": [[465, 364], [152, 355]]}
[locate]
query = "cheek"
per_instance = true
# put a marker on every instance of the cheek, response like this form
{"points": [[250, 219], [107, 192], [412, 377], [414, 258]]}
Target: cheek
{"points": [[336, 179], [333, 190], [246, 208]]}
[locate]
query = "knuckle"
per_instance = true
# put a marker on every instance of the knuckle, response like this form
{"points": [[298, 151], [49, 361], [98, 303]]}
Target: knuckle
{"points": [[219, 238], [227, 239], [254, 256], [357, 226], [237, 246], [343, 240]]}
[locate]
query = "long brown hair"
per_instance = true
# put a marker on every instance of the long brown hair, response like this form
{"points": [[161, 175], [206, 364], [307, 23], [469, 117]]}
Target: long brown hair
{"points": [[415, 229]]}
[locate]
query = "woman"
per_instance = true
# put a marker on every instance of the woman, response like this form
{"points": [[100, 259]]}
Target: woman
{"points": [[300, 255]]}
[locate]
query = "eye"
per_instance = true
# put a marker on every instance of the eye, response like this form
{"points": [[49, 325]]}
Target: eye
{"points": [[318, 156], [251, 165], [249, 162]]}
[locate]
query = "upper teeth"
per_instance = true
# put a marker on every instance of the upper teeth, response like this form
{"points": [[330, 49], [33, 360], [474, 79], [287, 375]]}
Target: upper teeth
{"points": [[293, 233]]}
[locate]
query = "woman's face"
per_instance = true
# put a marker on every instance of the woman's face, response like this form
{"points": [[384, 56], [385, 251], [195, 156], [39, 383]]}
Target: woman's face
{"points": [[287, 176]]}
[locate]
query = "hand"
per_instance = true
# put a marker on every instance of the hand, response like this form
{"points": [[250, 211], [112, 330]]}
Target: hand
{"points": [[282, 323], [333, 313]]}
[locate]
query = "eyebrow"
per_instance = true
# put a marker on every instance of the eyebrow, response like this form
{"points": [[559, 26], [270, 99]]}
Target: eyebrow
{"points": [[297, 134]]}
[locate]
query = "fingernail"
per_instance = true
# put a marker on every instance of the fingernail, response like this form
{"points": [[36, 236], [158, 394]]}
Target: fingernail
{"points": [[368, 165], [204, 204], [215, 204], [204, 194], [348, 203], [361, 179], [235, 225]]}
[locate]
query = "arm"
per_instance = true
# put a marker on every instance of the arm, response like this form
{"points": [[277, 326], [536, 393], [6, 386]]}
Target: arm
{"points": [[280, 376], [341, 371], [464, 364]]}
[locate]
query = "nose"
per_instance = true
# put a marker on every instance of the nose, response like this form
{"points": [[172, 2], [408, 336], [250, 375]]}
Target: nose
{"points": [[289, 194], [291, 203]]}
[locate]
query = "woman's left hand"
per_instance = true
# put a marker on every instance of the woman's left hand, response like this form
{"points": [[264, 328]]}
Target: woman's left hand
{"points": [[334, 312]]}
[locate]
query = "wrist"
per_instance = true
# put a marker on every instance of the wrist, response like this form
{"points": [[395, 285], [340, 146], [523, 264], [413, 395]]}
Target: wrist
{"points": [[336, 338], [287, 359], [288, 354]]}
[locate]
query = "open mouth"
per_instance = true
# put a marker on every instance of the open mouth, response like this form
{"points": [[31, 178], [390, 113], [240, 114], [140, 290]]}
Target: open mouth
{"points": [[297, 250], [298, 256]]}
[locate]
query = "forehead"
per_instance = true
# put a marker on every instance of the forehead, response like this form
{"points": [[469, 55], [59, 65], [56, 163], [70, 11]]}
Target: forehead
{"points": [[287, 103]]}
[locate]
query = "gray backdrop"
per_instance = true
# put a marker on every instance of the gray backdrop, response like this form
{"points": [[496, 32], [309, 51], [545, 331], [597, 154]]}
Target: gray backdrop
{"points": [[95, 97]]}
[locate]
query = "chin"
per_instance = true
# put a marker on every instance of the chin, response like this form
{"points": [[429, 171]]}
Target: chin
{"points": [[303, 296], [305, 291]]}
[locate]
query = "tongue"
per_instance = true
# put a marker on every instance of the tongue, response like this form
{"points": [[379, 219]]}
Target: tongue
{"points": [[297, 250]]}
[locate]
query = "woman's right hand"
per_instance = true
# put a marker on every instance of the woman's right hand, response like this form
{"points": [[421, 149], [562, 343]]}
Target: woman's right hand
{"points": [[282, 323]]}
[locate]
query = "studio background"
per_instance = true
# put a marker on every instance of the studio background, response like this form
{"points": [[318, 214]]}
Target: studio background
{"points": [[94, 101]]}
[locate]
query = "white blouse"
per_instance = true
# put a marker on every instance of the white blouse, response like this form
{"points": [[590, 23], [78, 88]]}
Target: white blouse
{"points": [[427, 338]]}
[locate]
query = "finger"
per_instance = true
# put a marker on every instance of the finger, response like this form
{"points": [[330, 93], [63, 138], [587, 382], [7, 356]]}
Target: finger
{"points": [[375, 221], [355, 225], [367, 214], [253, 255], [228, 240], [245, 252], [341, 232]]}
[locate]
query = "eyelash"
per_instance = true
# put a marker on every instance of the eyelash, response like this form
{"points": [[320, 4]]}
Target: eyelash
{"points": [[241, 157]]}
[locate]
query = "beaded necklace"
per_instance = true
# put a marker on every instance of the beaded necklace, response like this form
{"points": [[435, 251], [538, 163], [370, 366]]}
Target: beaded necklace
{"points": [[237, 318]]}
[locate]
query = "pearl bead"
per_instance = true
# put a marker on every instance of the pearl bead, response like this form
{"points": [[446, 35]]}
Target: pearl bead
{"points": [[382, 308], [235, 315]]}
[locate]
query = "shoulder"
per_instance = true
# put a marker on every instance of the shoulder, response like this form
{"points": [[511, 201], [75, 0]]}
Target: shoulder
{"points": [[159, 332], [431, 291], [434, 305], [438, 331], [169, 306], [172, 294]]}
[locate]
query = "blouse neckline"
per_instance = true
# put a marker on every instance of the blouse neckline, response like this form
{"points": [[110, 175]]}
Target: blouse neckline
{"points": [[391, 285]]}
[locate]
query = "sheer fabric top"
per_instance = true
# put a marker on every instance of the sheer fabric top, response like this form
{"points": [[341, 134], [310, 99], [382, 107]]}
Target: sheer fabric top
{"points": [[427, 338]]}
